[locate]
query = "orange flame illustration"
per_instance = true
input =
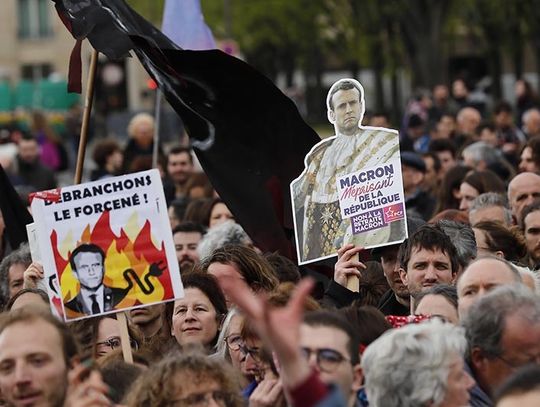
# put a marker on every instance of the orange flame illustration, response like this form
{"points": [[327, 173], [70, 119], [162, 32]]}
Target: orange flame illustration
{"points": [[131, 261]]}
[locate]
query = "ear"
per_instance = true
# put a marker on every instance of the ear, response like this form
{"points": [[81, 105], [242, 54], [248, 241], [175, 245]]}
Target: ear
{"points": [[358, 378], [478, 359], [499, 254], [331, 116], [403, 276]]}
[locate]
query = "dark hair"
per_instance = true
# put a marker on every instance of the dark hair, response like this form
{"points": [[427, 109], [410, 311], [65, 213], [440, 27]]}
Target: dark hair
{"points": [[200, 179], [449, 293], [197, 211], [119, 376], [285, 269], [42, 294], [485, 125], [103, 150], [85, 248], [451, 214], [332, 319], [86, 332], [254, 268], [432, 238], [510, 241], [373, 284], [440, 145], [436, 162], [368, 322], [342, 85], [179, 206], [485, 181], [25, 316], [208, 284], [533, 207], [534, 144], [502, 106], [175, 150], [189, 227], [524, 380], [451, 181]]}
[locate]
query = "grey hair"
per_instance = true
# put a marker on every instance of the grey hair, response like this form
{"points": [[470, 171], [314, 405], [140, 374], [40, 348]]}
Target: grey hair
{"points": [[484, 323], [490, 199], [482, 151], [19, 256], [224, 234], [409, 366], [462, 236], [527, 271], [527, 113], [221, 347]]}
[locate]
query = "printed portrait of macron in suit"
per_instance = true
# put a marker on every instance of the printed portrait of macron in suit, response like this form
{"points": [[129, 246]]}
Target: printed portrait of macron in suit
{"points": [[94, 297]]}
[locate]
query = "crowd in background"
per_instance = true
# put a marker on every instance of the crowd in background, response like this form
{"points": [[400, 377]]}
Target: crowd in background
{"points": [[450, 317]]}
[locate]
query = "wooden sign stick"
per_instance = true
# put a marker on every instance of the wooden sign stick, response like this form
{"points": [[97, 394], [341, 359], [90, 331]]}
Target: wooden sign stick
{"points": [[353, 282], [124, 337]]}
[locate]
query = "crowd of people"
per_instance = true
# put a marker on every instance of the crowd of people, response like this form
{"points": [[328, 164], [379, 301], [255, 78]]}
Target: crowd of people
{"points": [[448, 318]]}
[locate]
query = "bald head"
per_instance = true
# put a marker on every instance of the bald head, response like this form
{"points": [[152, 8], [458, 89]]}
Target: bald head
{"points": [[468, 119], [523, 190], [531, 122], [482, 276]]}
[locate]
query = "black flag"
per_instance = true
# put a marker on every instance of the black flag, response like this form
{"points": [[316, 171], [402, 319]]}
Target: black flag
{"points": [[248, 136], [14, 212]]}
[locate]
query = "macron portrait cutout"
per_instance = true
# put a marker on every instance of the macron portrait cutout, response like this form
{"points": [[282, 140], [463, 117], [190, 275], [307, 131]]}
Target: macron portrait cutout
{"points": [[351, 190]]}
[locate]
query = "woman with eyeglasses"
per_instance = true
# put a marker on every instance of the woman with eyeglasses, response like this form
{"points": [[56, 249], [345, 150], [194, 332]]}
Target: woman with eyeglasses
{"points": [[189, 379], [198, 316], [99, 336]]}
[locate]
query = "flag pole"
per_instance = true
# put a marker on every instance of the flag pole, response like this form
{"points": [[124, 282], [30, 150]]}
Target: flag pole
{"points": [[157, 123], [86, 117], [88, 100]]}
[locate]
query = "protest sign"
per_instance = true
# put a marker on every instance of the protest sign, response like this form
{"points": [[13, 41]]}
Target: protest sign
{"points": [[49, 283], [109, 243], [351, 190]]}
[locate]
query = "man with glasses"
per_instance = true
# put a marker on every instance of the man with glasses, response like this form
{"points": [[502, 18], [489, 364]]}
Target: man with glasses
{"points": [[330, 345], [503, 334]]}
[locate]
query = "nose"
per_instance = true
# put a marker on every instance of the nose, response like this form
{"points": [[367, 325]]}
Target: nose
{"points": [[190, 315], [22, 375], [462, 205], [431, 275], [470, 381]]}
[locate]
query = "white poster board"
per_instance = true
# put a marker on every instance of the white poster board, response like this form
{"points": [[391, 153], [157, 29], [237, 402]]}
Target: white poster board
{"points": [[109, 243]]}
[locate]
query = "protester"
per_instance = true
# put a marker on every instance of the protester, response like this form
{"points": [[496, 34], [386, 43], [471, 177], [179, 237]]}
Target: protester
{"points": [[197, 317], [521, 389], [503, 334], [523, 190], [417, 365], [427, 258], [490, 206], [189, 379], [492, 238], [475, 184], [179, 171], [12, 270], [439, 301], [186, 237], [109, 159], [482, 276]]}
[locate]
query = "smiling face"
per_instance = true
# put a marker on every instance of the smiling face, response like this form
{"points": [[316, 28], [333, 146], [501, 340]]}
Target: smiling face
{"points": [[425, 269], [194, 319]]}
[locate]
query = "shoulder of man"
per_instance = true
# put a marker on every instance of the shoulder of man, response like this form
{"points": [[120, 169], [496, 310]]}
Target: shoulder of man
{"points": [[318, 149]]}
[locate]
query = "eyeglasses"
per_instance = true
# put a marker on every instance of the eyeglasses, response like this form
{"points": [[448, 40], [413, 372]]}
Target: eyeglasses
{"points": [[253, 352], [532, 360], [115, 343], [222, 398], [327, 359], [234, 342]]}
